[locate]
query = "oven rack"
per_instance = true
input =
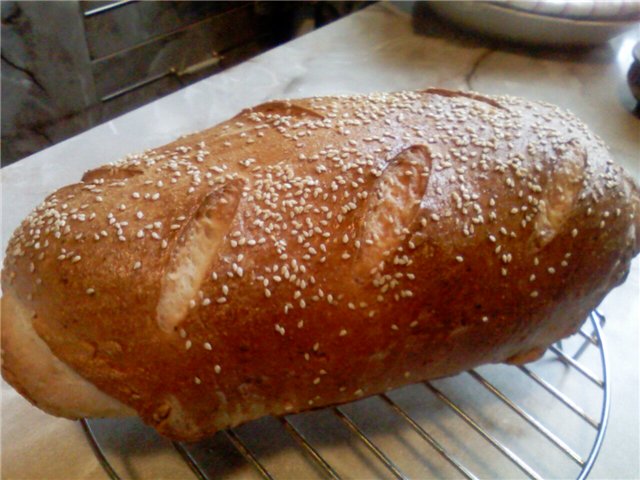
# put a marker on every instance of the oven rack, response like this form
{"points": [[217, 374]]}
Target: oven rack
{"points": [[329, 469]]}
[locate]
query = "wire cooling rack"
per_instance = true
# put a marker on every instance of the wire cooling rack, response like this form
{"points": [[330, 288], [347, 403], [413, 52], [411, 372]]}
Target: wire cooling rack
{"points": [[494, 421]]}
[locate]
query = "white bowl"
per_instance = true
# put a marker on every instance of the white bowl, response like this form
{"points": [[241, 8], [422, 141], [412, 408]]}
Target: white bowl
{"points": [[516, 25]]}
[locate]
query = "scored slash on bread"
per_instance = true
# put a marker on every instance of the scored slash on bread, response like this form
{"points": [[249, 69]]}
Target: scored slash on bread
{"points": [[310, 252]]}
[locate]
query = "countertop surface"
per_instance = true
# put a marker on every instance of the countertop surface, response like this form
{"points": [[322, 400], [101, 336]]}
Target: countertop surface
{"points": [[384, 47]]}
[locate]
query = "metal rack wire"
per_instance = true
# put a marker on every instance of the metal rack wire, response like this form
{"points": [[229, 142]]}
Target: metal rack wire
{"points": [[571, 362]]}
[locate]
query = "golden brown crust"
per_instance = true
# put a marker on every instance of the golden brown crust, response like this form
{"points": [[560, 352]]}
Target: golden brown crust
{"points": [[373, 241], [39, 376]]}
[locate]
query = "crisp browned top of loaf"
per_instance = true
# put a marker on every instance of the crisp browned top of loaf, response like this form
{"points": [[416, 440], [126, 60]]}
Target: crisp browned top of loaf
{"points": [[342, 232]]}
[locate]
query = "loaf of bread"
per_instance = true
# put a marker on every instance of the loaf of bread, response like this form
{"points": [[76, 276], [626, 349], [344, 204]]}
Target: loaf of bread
{"points": [[312, 252]]}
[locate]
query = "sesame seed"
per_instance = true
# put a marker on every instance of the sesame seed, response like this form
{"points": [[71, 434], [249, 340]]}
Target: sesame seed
{"points": [[90, 291], [316, 380], [187, 344], [197, 380], [534, 294], [343, 332], [459, 259], [207, 346], [137, 265], [76, 259], [217, 369], [574, 232]]}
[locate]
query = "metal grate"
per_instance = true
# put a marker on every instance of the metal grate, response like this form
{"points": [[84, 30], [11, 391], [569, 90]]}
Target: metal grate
{"points": [[557, 354]]}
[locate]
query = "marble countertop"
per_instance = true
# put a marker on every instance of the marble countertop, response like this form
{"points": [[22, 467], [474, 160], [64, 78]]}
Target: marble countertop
{"points": [[383, 47]]}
